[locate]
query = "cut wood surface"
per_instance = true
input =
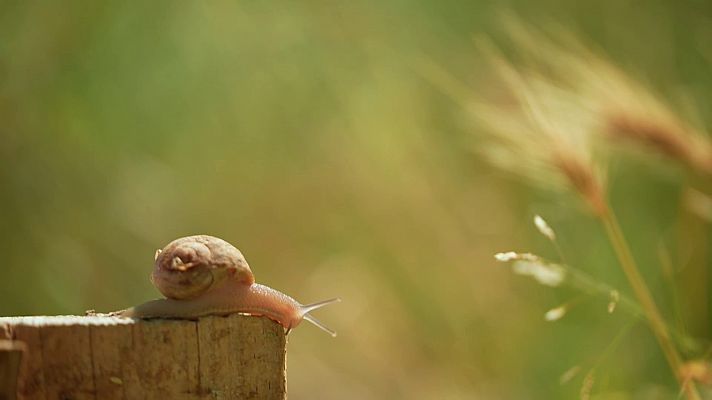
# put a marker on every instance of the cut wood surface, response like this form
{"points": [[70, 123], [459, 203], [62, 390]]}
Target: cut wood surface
{"points": [[102, 357]]}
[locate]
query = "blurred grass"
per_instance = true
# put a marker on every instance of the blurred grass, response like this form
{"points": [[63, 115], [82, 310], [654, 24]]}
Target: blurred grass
{"points": [[306, 135]]}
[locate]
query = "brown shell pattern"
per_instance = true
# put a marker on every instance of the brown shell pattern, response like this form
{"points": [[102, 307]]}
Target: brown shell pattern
{"points": [[189, 266]]}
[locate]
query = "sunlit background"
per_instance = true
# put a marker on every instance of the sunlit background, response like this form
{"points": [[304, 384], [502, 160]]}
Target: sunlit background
{"points": [[334, 144]]}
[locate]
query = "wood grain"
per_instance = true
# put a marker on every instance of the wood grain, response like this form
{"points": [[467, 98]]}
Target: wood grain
{"points": [[11, 354]]}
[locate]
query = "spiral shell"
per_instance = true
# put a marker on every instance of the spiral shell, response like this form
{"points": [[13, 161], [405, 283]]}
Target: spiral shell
{"points": [[189, 266]]}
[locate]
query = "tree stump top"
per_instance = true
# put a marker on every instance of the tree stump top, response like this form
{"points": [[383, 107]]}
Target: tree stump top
{"points": [[102, 357], [63, 320]]}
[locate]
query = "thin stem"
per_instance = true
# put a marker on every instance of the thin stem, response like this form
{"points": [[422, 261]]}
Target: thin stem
{"points": [[642, 293], [610, 348], [559, 252], [613, 344], [579, 280], [668, 271], [586, 283]]}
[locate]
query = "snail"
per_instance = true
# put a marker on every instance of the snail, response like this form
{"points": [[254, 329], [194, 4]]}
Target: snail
{"points": [[204, 275]]}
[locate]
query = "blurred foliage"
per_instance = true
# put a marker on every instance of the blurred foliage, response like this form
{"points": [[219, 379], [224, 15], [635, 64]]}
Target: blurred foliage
{"points": [[308, 135]]}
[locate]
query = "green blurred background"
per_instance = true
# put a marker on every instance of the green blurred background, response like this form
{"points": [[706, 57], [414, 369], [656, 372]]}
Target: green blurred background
{"points": [[309, 135]]}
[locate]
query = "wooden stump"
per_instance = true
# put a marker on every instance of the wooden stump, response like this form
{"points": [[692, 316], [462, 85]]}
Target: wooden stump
{"points": [[100, 357]]}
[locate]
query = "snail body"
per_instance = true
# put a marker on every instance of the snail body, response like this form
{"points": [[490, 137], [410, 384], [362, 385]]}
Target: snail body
{"points": [[204, 275]]}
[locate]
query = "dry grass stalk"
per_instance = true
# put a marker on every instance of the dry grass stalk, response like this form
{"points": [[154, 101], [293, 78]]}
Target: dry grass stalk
{"points": [[666, 138], [582, 179], [540, 131], [601, 98], [558, 105]]}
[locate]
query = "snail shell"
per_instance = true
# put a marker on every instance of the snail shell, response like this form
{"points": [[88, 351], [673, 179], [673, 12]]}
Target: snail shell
{"points": [[189, 266]]}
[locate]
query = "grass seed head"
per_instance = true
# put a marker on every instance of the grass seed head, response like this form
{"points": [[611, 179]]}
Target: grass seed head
{"points": [[614, 298], [512, 256], [569, 374], [587, 386], [547, 274], [555, 314], [537, 128], [544, 228]]}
